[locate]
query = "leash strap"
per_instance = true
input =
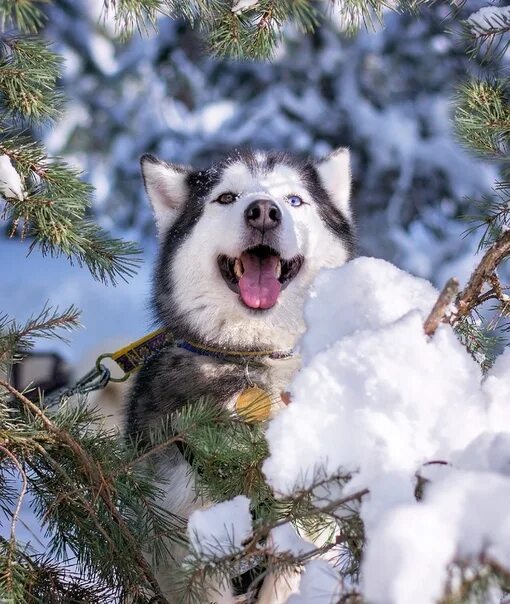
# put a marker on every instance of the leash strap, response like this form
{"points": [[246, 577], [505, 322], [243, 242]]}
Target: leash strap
{"points": [[133, 356]]}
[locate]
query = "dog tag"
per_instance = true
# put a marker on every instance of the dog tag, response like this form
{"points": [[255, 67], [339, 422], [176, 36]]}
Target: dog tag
{"points": [[253, 404]]}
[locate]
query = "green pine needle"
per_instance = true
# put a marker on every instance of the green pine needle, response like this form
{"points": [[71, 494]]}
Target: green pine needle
{"points": [[25, 15]]}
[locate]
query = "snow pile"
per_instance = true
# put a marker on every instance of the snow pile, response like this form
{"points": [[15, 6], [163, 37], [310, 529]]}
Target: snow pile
{"points": [[337, 303], [378, 399], [285, 538], [222, 528], [464, 515]]}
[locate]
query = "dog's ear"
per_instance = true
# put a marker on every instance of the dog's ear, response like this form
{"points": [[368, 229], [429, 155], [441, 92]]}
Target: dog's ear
{"points": [[166, 186], [335, 174]]}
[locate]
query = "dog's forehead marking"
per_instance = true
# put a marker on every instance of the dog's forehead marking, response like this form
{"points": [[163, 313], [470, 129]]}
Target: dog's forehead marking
{"points": [[280, 179], [282, 176]]}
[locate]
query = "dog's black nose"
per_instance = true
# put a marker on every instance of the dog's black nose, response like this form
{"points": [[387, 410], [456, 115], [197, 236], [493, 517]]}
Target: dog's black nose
{"points": [[263, 215]]}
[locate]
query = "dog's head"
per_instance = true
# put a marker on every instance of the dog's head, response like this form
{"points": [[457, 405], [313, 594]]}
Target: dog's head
{"points": [[241, 241]]}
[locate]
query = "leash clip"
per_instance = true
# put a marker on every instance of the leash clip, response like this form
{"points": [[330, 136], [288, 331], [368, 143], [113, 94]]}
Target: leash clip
{"points": [[101, 369]]}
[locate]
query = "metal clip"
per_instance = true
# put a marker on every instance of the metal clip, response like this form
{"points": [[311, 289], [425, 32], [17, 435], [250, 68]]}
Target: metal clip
{"points": [[95, 379], [100, 367]]}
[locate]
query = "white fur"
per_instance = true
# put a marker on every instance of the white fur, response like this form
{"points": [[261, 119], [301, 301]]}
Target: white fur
{"points": [[335, 173], [167, 191]]}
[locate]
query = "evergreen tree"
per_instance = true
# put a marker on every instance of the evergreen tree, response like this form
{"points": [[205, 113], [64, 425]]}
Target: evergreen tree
{"points": [[79, 478], [249, 28]]}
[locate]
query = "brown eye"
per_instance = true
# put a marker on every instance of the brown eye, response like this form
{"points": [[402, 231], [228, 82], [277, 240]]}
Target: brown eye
{"points": [[226, 198]]}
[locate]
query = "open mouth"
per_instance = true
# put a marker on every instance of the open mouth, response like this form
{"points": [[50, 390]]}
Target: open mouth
{"points": [[259, 275]]}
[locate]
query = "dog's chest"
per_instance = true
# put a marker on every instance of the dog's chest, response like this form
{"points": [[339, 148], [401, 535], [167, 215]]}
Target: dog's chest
{"points": [[273, 376]]}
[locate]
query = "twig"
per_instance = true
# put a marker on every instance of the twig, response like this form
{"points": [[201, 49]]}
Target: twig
{"points": [[484, 273], [15, 515], [22, 493], [471, 296], [438, 312]]}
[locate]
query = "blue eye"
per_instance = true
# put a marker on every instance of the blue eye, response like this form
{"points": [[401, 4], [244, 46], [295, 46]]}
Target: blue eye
{"points": [[295, 201]]}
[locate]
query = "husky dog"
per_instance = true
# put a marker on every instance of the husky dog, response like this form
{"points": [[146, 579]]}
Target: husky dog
{"points": [[241, 243]]}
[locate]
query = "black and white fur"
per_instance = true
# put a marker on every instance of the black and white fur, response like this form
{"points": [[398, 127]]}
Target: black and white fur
{"points": [[194, 301]]}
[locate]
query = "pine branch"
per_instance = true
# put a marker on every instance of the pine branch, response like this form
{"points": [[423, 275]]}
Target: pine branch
{"points": [[475, 581], [193, 577], [16, 339], [440, 308], [35, 579], [28, 75], [250, 30], [91, 501], [22, 14], [488, 32], [485, 272], [482, 117], [493, 216], [481, 338], [462, 312], [52, 212]]}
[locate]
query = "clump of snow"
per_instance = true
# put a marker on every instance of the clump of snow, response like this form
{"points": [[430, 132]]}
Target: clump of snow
{"points": [[488, 17], [319, 584], [496, 388], [222, 528], [407, 556], [241, 5], [285, 538], [369, 294], [11, 185], [377, 399], [380, 399]]}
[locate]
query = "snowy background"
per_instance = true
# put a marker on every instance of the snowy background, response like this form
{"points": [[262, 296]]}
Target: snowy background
{"points": [[386, 94]]}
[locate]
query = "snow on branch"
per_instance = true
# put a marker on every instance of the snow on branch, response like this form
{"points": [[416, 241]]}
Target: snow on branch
{"points": [[489, 29]]}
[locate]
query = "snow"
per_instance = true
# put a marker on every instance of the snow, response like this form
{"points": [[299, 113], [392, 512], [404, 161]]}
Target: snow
{"points": [[407, 556], [360, 282], [377, 399], [488, 16], [464, 515], [221, 529], [11, 185], [319, 584], [241, 5], [285, 538]]}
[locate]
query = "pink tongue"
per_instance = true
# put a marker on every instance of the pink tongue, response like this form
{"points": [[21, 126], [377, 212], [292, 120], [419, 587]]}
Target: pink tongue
{"points": [[259, 286]]}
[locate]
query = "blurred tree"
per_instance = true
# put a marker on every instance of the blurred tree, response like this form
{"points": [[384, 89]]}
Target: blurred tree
{"points": [[249, 28], [384, 93]]}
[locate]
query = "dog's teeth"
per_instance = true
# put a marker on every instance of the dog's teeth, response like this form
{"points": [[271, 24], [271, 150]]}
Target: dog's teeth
{"points": [[278, 269], [238, 268]]}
